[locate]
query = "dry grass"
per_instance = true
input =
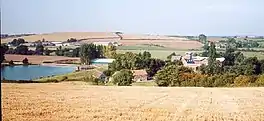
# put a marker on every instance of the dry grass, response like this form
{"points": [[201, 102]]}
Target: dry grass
{"points": [[35, 59], [77, 101]]}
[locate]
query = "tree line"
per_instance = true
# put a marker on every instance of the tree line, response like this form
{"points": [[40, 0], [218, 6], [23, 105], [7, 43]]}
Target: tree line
{"points": [[89, 52]]}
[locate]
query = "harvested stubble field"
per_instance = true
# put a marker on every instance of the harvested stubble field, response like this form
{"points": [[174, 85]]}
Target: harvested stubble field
{"points": [[70, 101]]}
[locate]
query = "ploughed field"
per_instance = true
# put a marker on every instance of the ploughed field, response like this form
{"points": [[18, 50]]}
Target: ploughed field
{"points": [[69, 101]]}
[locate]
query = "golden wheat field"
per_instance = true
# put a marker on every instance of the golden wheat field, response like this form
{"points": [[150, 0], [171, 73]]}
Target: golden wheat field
{"points": [[76, 101], [127, 39]]}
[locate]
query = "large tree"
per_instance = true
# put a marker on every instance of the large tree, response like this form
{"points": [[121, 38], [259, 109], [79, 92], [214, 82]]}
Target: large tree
{"points": [[3, 50], [172, 75], [17, 42], [21, 49], [202, 38], [229, 54], [39, 49], [91, 51], [123, 77]]}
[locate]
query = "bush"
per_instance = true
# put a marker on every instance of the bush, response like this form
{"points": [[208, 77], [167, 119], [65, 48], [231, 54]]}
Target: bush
{"points": [[92, 80], [242, 80], [11, 63], [219, 82], [25, 61], [123, 78], [260, 80], [51, 80], [64, 78]]}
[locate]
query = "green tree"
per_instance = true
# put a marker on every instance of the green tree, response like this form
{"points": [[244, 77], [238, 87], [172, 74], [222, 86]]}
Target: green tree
{"points": [[239, 58], [85, 54], [172, 54], [3, 50], [17, 42], [242, 80], [11, 63], [123, 77], [202, 39], [212, 65], [229, 54], [153, 66], [25, 61], [59, 51], [40, 49], [260, 80], [21, 49], [47, 51], [171, 75]]}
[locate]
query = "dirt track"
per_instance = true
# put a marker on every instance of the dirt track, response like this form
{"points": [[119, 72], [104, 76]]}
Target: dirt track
{"points": [[77, 101]]}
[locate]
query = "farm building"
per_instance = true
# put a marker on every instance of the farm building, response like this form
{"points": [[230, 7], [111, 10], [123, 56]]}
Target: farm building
{"points": [[30, 44], [102, 61], [194, 61], [100, 75], [140, 75]]}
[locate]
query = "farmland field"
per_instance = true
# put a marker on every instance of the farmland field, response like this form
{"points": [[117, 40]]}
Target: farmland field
{"points": [[72, 101], [161, 54]]}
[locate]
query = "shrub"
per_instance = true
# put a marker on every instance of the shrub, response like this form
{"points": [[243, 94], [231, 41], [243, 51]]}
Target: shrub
{"points": [[243, 80], [11, 63], [219, 82], [51, 80], [25, 61], [92, 80], [64, 78], [123, 78], [260, 80]]}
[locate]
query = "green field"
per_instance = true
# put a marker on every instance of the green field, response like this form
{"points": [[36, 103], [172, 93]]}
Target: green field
{"points": [[156, 52], [75, 76], [260, 55], [161, 54]]}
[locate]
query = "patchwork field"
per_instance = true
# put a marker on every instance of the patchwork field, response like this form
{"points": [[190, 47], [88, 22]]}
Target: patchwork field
{"points": [[127, 39], [161, 54], [72, 101]]}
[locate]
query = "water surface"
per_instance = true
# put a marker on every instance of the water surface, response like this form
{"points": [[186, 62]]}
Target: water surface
{"points": [[33, 71]]}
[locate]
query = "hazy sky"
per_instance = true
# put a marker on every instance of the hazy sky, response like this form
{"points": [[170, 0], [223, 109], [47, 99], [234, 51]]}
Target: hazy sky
{"points": [[177, 17]]}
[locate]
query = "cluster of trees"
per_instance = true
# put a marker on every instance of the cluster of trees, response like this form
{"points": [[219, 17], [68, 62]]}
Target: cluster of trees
{"points": [[236, 70], [132, 61], [68, 52], [203, 39], [123, 77], [17, 42], [240, 43], [72, 40], [89, 52], [3, 50], [247, 44], [24, 50]]}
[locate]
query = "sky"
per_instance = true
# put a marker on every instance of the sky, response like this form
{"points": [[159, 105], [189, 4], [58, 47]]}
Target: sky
{"points": [[163, 17]]}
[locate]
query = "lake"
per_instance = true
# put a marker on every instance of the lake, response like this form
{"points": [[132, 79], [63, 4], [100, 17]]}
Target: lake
{"points": [[33, 71]]}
